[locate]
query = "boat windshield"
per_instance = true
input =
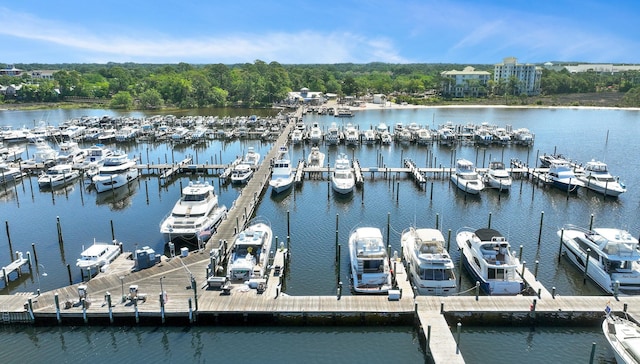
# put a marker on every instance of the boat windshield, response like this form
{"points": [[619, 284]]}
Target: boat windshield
{"points": [[196, 197], [432, 274]]}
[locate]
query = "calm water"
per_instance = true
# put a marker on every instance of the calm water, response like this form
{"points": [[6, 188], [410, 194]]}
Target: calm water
{"points": [[580, 134]]}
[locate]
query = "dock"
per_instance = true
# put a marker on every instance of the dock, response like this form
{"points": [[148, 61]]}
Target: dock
{"points": [[299, 172], [15, 266], [415, 172], [168, 173]]}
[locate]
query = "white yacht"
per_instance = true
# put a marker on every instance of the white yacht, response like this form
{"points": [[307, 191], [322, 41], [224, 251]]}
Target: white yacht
{"points": [[612, 260], [596, 177], [423, 136], [117, 170], [369, 136], [562, 176], [98, 255], [429, 263], [623, 336], [196, 213], [241, 173], [252, 157], [96, 154], [466, 177], [297, 136], [9, 174], [315, 134], [57, 175], [316, 158], [488, 258], [370, 270], [342, 178], [281, 174], [250, 253], [334, 135], [351, 135], [497, 176]]}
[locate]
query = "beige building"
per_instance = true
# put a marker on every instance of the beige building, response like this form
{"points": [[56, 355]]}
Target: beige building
{"points": [[465, 83]]}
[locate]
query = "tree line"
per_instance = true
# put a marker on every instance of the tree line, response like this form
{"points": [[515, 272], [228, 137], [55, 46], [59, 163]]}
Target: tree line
{"points": [[182, 85]]}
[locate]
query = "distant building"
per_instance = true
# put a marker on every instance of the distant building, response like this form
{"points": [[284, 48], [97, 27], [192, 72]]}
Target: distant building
{"points": [[379, 98], [465, 83], [10, 70], [601, 68], [528, 74], [42, 74], [305, 96]]}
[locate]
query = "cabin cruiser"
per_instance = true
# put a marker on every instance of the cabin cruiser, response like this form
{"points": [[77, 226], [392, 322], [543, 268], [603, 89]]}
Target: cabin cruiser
{"points": [[250, 254], [612, 261], [446, 134], [370, 270], [342, 179], [369, 136], [98, 256], [11, 154], [466, 177], [546, 160], [196, 212], [523, 136], [386, 138], [241, 173], [316, 158], [334, 135], [487, 256], [497, 176], [428, 262], [562, 176], [296, 136], [252, 157], [281, 174], [351, 135], [423, 136], [57, 175], [315, 134], [9, 174], [96, 154], [117, 170], [623, 336], [596, 177]]}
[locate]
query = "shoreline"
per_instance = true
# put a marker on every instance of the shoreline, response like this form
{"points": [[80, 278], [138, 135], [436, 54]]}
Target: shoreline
{"points": [[390, 106]]}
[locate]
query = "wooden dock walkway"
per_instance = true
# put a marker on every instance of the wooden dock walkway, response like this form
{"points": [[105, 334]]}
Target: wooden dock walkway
{"points": [[415, 172], [15, 266], [299, 172], [166, 174]]}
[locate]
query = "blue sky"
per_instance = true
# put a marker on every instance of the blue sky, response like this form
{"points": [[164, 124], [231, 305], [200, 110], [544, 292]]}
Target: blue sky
{"points": [[326, 31]]}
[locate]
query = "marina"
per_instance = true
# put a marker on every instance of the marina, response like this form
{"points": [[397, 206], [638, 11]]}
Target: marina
{"points": [[374, 181]]}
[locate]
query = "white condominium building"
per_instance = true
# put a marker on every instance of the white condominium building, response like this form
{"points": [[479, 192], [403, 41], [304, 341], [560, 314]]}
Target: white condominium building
{"points": [[528, 75]]}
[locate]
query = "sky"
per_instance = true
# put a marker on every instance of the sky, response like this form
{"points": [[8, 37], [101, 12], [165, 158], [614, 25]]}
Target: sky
{"points": [[324, 32]]}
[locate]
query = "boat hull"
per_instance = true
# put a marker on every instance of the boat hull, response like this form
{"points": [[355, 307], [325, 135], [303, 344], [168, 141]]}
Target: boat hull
{"points": [[102, 183]]}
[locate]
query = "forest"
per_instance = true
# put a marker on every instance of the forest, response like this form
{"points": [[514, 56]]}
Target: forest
{"points": [[259, 84]]}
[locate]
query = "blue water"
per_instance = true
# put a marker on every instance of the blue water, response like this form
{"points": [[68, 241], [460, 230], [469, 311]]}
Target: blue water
{"points": [[580, 134]]}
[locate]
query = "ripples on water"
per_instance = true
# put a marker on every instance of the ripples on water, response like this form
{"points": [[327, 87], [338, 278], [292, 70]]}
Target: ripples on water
{"points": [[609, 135]]}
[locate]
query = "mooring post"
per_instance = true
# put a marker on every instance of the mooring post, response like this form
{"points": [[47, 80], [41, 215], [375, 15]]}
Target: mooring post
{"points": [[30, 309], [135, 308], [616, 289], [520, 254], [441, 307], [69, 274], [489, 223], [57, 302], [60, 239], [339, 289], [593, 352], [428, 336], [560, 249], [84, 311], [161, 308], [190, 311], [553, 292], [540, 229], [113, 232], [6, 225], [388, 226], [535, 271], [458, 329], [448, 240], [477, 289], [437, 221], [35, 254]]}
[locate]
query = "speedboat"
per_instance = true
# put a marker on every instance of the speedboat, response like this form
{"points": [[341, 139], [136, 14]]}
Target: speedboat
{"points": [[596, 177], [612, 260], [466, 177], [342, 179], [98, 255], [9, 174], [497, 176], [281, 174], [241, 173], [196, 212], [252, 157], [57, 175], [116, 171], [562, 176], [428, 262], [370, 271], [623, 336], [250, 253], [487, 256], [316, 158]]}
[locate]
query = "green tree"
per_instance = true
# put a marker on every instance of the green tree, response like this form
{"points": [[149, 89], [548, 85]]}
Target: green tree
{"points": [[122, 100], [150, 99], [632, 97]]}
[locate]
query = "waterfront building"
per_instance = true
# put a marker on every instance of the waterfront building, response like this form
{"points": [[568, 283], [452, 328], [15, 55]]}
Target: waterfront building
{"points": [[528, 75], [466, 83]]}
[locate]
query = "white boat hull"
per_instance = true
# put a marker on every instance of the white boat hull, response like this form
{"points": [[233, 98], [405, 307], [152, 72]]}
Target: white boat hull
{"points": [[107, 183]]}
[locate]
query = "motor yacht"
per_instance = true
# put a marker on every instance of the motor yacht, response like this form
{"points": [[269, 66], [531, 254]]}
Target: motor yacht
{"points": [[562, 176], [428, 262], [370, 270], [497, 176], [281, 172], [596, 177], [316, 158], [116, 171], [57, 175], [466, 177], [612, 259], [623, 336], [342, 178], [250, 254], [241, 173], [196, 213], [488, 258], [98, 256]]}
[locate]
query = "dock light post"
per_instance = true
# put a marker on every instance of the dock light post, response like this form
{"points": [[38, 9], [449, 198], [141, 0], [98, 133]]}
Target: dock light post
{"points": [[44, 274]]}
